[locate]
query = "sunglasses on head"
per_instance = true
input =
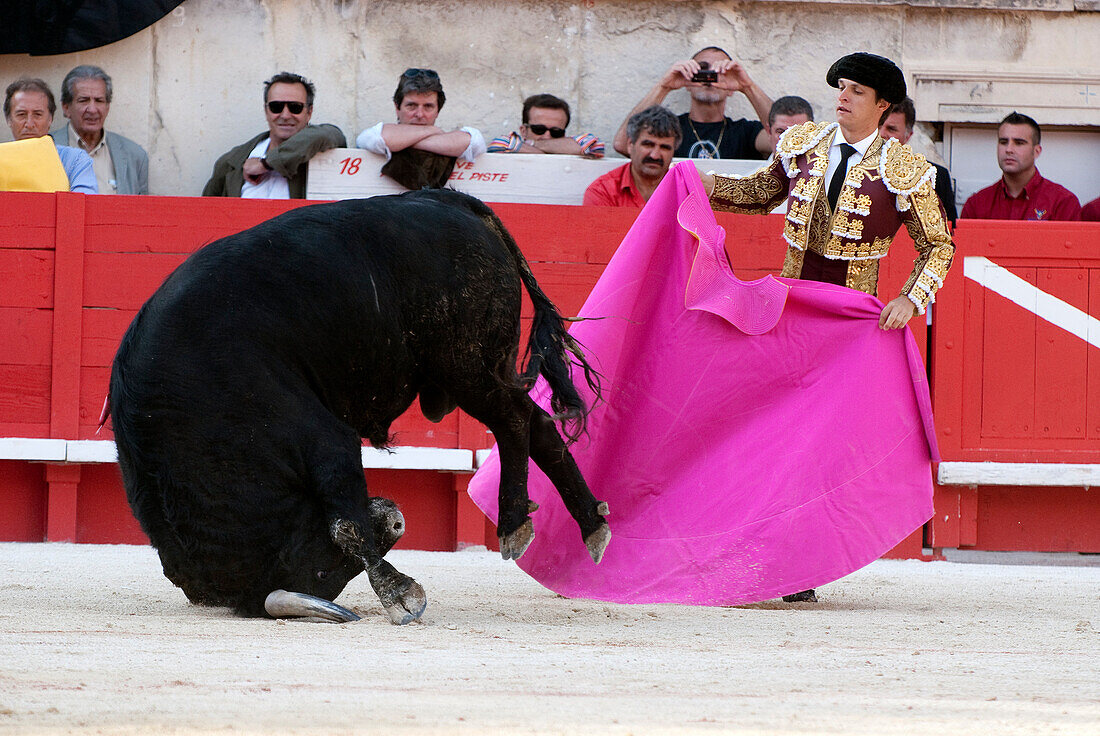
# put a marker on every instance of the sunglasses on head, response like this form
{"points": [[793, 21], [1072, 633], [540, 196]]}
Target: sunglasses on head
{"points": [[276, 106], [540, 129], [414, 72]]}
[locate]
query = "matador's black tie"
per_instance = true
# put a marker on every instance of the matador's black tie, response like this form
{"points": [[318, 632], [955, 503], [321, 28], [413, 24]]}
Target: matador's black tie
{"points": [[837, 181]]}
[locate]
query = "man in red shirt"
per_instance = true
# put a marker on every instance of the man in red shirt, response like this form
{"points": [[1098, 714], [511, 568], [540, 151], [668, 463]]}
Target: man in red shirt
{"points": [[1021, 194], [1091, 211], [654, 134]]}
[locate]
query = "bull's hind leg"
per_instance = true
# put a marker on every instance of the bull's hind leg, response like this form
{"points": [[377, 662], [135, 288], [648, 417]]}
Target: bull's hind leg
{"points": [[507, 414], [553, 458]]}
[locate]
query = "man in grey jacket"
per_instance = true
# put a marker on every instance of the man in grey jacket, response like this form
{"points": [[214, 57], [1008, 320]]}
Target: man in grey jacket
{"points": [[121, 166], [275, 163]]}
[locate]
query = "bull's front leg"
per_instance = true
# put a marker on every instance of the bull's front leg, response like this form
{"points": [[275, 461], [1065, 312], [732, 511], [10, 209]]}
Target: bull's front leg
{"points": [[364, 536], [402, 597]]}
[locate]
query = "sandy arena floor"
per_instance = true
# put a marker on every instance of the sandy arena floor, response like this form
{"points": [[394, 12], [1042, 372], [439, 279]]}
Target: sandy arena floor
{"points": [[93, 639]]}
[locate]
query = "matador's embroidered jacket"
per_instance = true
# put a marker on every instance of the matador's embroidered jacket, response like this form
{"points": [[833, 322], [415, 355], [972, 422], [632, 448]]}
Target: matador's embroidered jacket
{"points": [[889, 187]]}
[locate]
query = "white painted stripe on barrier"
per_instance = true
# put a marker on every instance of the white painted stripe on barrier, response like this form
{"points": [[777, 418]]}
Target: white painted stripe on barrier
{"points": [[418, 458], [480, 456], [91, 451], [1068, 475], [35, 449], [1018, 291], [31, 448]]}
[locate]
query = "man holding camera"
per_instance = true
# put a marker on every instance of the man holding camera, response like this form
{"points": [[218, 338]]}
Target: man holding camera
{"points": [[710, 76], [275, 163]]}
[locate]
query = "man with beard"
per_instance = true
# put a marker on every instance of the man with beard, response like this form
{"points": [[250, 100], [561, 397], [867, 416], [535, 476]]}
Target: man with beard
{"points": [[653, 135], [706, 131], [121, 166]]}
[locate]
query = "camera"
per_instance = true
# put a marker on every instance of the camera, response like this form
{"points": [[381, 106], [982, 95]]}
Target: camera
{"points": [[705, 75]]}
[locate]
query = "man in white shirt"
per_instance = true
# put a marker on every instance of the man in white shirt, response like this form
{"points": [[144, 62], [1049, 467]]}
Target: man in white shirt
{"points": [[417, 101], [275, 164]]}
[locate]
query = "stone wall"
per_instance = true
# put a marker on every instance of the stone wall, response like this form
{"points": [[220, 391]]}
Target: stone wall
{"points": [[189, 87]]}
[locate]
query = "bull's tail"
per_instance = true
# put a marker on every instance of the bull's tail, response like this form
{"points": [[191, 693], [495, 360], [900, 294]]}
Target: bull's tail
{"points": [[551, 350]]}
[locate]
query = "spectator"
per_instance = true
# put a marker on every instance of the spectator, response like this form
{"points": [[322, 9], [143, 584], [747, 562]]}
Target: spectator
{"points": [[787, 112], [545, 118], [430, 151], [275, 164], [899, 122], [1091, 211], [846, 198], [706, 131], [653, 135], [29, 107], [121, 166], [1021, 193]]}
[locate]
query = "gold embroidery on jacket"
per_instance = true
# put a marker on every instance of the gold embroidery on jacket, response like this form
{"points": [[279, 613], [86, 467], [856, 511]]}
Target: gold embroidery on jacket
{"points": [[759, 192], [863, 276], [792, 263]]}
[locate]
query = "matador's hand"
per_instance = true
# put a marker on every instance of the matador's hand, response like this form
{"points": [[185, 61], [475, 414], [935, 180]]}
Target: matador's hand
{"points": [[897, 313]]}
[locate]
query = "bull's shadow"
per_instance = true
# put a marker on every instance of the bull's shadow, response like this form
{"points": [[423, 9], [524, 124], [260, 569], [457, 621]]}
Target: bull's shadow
{"points": [[242, 389]]}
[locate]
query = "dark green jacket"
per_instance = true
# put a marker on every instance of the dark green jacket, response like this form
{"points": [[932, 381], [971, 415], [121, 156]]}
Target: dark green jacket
{"points": [[291, 159]]}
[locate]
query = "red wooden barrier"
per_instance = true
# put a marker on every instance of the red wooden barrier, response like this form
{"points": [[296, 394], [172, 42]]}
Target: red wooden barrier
{"points": [[74, 270]]}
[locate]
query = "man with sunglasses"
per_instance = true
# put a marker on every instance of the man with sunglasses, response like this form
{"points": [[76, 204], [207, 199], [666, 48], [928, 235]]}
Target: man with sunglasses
{"points": [[417, 101], [275, 164], [545, 118]]}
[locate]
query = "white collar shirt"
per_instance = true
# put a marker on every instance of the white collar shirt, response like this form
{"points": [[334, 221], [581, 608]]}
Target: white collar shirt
{"points": [[272, 186], [835, 155]]}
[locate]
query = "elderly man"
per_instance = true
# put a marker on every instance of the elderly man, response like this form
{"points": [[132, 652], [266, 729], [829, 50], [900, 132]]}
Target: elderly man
{"points": [[848, 192], [275, 163], [787, 112], [1022, 193], [429, 151], [29, 107], [121, 166], [899, 122], [706, 131], [653, 134], [545, 118]]}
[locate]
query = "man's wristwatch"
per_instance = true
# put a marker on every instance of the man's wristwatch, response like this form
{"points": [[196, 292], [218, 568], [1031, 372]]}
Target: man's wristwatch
{"points": [[266, 165]]}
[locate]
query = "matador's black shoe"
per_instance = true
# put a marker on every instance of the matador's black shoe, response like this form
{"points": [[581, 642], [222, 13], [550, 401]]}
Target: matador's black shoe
{"points": [[806, 596]]}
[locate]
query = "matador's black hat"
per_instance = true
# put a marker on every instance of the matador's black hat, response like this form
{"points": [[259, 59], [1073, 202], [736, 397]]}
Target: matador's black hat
{"points": [[876, 72]]}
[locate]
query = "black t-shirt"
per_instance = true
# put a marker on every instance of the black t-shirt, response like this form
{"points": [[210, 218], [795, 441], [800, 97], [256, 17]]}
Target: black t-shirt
{"points": [[946, 192], [738, 139]]}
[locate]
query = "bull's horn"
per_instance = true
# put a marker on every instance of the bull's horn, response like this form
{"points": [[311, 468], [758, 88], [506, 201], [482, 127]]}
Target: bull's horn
{"points": [[284, 604]]}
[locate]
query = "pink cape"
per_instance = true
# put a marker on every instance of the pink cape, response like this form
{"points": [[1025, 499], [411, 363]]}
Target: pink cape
{"points": [[755, 439]]}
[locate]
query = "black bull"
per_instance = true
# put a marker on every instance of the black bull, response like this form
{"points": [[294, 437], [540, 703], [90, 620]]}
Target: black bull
{"points": [[242, 389]]}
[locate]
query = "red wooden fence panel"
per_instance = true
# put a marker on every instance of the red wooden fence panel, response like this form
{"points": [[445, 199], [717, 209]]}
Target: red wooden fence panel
{"points": [[1007, 384]]}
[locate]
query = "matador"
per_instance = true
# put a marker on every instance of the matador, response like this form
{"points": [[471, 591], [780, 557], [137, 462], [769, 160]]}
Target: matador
{"points": [[848, 192]]}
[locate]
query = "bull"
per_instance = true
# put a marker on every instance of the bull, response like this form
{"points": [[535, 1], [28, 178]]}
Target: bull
{"points": [[242, 390]]}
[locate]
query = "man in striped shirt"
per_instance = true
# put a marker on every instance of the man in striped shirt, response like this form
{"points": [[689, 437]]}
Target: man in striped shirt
{"points": [[545, 118]]}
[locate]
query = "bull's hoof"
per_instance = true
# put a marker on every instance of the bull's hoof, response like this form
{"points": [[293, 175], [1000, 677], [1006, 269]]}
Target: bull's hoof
{"points": [[283, 604], [402, 597], [596, 542], [408, 606], [515, 544]]}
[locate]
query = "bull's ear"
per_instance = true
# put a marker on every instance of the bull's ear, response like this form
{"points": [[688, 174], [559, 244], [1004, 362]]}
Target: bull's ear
{"points": [[284, 604]]}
